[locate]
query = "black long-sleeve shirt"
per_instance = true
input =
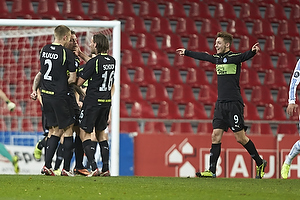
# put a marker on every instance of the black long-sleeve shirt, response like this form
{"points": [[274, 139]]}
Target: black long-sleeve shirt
{"points": [[228, 69]]}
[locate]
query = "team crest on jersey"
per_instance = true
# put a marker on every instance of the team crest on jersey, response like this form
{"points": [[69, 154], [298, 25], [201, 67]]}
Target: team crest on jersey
{"points": [[225, 60], [106, 58], [296, 74], [52, 47]]}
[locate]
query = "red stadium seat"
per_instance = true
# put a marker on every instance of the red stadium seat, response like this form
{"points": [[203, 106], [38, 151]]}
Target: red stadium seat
{"points": [[181, 128], [287, 29], [246, 42], [262, 29], [125, 78], [238, 2], [160, 26], [210, 27], [274, 46], [74, 10], [249, 12], [123, 110], [186, 27], [207, 95], [33, 108], [126, 43], [264, 2], [130, 93], [224, 12], [168, 110], [155, 127], [132, 58], [288, 3], [183, 94], [275, 13], [170, 77], [27, 125], [199, 11], [196, 77], [205, 128], [258, 128], [4, 13], [290, 129], [283, 96], [23, 90], [274, 79], [149, 10], [134, 26], [261, 62], [146, 42], [237, 28], [274, 112], [286, 62], [99, 5], [194, 110], [295, 46], [144, 76], [123, 9], [198, 43], [49, 10], [158, 59], [171, 42], [23, 9], [250, 111], [174, 10], [156, 93], [129, 127], [295, 12], [249, 78], [2, 125], [261, 95], [142, 109]]}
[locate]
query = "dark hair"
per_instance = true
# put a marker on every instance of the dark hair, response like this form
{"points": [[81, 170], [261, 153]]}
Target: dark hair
{"points": [[227, 37], [102, 44]]}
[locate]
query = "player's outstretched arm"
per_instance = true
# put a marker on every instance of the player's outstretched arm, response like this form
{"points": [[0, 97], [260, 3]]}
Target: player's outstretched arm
{"points": [[180, 51]]}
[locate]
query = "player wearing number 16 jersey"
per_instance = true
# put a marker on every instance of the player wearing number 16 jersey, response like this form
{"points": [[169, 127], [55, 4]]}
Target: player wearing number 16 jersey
{"points": [[97, 102]]}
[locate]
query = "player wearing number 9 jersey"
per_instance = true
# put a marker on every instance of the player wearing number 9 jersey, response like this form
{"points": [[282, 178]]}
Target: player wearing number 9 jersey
{"points": [[97, 102]]}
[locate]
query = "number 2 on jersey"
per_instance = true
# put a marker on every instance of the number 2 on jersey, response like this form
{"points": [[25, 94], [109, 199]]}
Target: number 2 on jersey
{"points": [[46, 75]]}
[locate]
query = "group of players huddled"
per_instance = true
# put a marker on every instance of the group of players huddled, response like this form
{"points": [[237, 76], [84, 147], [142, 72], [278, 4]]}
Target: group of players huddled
{"points": [[76, 99]]}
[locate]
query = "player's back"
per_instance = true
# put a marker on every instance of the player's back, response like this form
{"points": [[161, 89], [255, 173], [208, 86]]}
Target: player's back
{"points": [[54, 59], [102, 80]]}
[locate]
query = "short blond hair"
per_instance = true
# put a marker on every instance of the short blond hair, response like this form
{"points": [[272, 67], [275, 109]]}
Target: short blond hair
{"points": [[60, 31]]}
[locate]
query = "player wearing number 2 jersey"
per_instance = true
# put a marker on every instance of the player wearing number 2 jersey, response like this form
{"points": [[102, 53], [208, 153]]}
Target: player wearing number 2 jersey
{"points": [[55, 61], [97, 102]]}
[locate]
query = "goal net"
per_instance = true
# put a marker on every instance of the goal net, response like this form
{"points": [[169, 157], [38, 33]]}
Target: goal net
{"points": [[20, 44]]}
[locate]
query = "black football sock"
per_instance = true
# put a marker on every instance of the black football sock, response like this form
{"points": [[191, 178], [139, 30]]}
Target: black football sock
{"points": [[68, 152], [50, 149], [214, 155], [90, 149], [253, 152], [104, 155], [42, 143], [59, 156], [78, 153]]}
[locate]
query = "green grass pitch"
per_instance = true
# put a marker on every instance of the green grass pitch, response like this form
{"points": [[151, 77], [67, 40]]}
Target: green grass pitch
{"points": [[41, 187]]}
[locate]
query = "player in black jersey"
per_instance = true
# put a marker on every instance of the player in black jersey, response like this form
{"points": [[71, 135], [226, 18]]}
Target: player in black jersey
{"points": [[97, 102], [54, 82], [229, 108]]}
